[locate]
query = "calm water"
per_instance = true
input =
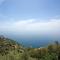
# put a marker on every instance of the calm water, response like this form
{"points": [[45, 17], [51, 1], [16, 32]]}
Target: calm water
{"points": [[34, 41]]}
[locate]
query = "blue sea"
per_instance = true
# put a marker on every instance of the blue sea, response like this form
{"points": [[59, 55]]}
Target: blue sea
{"points": [[35, 41]]}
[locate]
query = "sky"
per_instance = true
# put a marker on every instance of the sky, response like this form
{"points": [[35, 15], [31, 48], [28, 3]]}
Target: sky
{"points": [[30, 17]]}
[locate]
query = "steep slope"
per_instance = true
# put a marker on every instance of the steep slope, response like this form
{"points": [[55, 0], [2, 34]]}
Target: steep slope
{"points": [[7, 45]]}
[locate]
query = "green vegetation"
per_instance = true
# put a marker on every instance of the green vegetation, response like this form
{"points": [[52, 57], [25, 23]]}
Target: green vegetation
{"points": [[11, 50]]}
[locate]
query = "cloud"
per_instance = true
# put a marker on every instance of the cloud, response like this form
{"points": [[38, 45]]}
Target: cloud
{"points": [[32, 26]]}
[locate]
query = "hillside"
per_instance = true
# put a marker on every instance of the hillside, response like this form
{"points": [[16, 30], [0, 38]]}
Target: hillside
{"points": [[11, 50], [8, 44]]}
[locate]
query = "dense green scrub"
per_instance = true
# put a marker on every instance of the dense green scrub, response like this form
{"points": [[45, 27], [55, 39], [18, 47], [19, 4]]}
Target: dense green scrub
{"points": [[11, 50]]}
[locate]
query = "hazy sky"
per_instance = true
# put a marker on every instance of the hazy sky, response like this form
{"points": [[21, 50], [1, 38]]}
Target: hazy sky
{"points": [[30, 16]]}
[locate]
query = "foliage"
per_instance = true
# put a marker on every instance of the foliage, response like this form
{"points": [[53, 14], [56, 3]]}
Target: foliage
{"points": [[11, 50]]}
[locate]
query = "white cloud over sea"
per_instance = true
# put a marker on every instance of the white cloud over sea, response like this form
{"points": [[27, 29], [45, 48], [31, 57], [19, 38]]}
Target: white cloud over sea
{"points": [[32, 26]]}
